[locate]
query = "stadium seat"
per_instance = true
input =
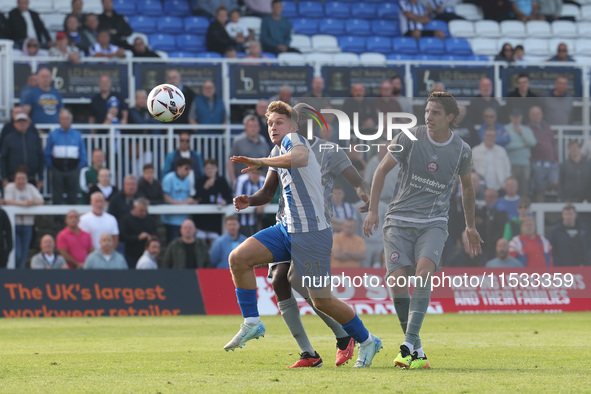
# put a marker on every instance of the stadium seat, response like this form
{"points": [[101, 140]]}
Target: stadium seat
{"points": [[379, 44], [571, 10], [582, 47], [305, 26], [455, 58], [177, 8], [372, 58], [301, 42], [385, 28], [457, 46], [564, 29], [144, 24], [359, 27], [431, 46], [336, 27], [287, 58], [427, 58], [337, 9], [191, 43], [40, 6], [461, 28], [405, 45], [164, 42], [487, 28], [170, 24], [162, 54], [388, 11], [196, 25], [209, 55], [269, 55], [252, 23], [182, 55], [324, 58], [469, 11], [94, 7], [124, 7], [363, 10], [352, 44], [584, 29], [478, 58], [515, 29], [346, 59], [537, 47], [399, 57], [437, 25], [289, 10], [325, 43], [53, 22], [586, 12], [59, 6], [310, 9], [150, 7], [484, 46], [538, 29]]}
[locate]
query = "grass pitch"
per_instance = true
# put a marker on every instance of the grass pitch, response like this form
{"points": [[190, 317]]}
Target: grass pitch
{"points": [[468, 353]]}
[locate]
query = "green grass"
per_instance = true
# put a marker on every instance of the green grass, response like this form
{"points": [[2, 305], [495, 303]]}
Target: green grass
{"points": [[468, 353]]}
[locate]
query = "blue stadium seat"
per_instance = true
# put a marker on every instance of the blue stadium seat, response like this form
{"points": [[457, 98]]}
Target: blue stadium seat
{"points": [[400, 57], [305, 26], [191, 43], [177, 7], [352, 44], [379, 44], [269, 55], [385, 28], [310, 9], [405, 45], [337, 9], [478, 58], [196, 25], [431, 46], [180, 54], [388, 11], [164, 42], [363, 10], [359, 27], [437, 25], [142, 24], [427, 57], [289, 10], [170, 24], [209, 55], [457, 46], [124, 7], [455, 58], [336, 27], [150, 7]]}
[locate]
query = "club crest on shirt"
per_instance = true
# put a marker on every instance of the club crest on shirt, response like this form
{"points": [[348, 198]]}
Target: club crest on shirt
{"points": [[394, 256], [432, 166]]}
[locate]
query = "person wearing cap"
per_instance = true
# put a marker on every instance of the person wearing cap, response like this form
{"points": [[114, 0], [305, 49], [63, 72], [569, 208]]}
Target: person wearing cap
{"points": [[104, 48], [105, 99], [64, 50], [22, 148], [522, 139]]}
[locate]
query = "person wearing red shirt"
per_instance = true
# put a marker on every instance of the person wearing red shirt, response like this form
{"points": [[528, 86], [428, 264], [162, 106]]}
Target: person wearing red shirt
{"points": [[533, 250], [73, 243]]}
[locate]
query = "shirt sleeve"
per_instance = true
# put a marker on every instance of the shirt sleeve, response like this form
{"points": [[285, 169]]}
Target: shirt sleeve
{"points": [[274, 152], [404, 144], [466, 160], [340, 161]]}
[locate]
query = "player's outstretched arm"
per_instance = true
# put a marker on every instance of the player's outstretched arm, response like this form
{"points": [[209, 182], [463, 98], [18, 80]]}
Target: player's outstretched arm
{"points": [[262, 196], [354, 179], [468, 201], [371, 221]]}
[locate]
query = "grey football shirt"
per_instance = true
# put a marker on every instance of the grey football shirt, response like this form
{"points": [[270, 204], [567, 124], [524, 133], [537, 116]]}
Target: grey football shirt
{"points": [[427, 173]]}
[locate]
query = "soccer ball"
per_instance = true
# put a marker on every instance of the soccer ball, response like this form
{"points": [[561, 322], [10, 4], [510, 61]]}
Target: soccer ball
{"points": [[166, 103]]}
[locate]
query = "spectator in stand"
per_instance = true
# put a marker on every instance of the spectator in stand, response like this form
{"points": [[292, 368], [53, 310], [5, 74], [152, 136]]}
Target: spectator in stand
{"points": [[490, 222], [122, 202], [89, 175], [218, 38], [463, 257], [236, 29], [481, 102], [140, 49], [275, 33], [575, 175], [23, 23], [187, 251], [364, 107], [10, 127], [64, 49], [348, 249], [250, 144], [32, 82], [561, 54], [443, 10], [47, 258], [208, 8], [3, 27], [490, 123], [397, 88], [385, 102], [503, 260], [176, 186], [317, 97], [184, 151], [531, 249], [137, 227], [558, 104], [98, 222], [260, 111], [221, 248], [22, 148], [413, 16], [491, 162], [526, 10], [522, 140], [522, 98], [173, 77], [140, 115], [116, 24], [479, 188], [513, 226], [75, 34], [510, 201], [150, 186], [22, 194], [104, 48], [90, 29], [76, 13], [103, 185], [208, 108], [464, 130], [341, 209], [211, 189], [499, 10], [570, 240], [550, 9], [105, 257], [73, 243], [148, 259], [255, 51], [506, 53], [247, 184], [544, 155], [99, 106], [65, 155], [518, 53], [31, 48], [285, 94], [259, 8], [43, 103]]}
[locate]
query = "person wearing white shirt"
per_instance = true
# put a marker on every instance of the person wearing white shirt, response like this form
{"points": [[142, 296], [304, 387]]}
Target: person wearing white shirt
{"points": [[148, 260], [98, 222], [491, 161]]}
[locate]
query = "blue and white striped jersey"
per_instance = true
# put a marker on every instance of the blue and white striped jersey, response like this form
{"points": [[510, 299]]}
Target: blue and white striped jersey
{"points": [[245, 187]]}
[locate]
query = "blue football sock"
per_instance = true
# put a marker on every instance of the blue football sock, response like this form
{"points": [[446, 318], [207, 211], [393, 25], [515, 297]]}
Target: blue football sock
{"points": [[247, 300], [356, 329]]}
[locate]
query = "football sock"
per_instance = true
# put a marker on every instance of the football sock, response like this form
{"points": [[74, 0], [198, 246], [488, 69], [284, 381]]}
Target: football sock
{"points": [[420, 352], [368, 340], [247, 300], [409, 346], [252, 320], [291, 316], [401, 304], [357, 330], [336, 328], [419, 303]]}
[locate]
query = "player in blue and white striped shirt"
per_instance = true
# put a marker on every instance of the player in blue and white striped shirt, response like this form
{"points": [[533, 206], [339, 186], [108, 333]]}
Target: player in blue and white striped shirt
{"points": [[248, 184]]}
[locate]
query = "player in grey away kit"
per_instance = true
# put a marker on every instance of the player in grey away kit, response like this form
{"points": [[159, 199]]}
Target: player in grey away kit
{"points": [[415, 227]]}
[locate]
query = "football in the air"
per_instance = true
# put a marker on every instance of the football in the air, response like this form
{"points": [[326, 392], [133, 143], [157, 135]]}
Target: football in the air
{"points": [[166, 103]]}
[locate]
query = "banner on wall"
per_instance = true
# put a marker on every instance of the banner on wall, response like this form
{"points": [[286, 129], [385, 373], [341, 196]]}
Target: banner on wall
{"points": [[338, 80], [542, 79], [459, 81], [255, 82], [149, 75]]}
